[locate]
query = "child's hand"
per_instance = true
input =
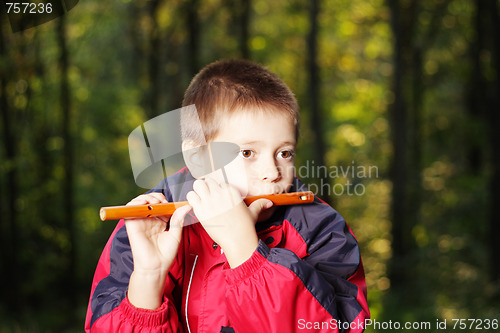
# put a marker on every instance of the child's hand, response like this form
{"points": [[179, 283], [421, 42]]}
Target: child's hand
{"points": [[226, 218], [153, 249]]}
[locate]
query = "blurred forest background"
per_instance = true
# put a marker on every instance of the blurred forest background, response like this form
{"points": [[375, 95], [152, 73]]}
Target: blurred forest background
{"points": [[410, 87]]}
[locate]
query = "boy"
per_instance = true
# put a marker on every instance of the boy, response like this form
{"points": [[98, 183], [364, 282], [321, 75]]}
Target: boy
{"points": [[241, 269]]}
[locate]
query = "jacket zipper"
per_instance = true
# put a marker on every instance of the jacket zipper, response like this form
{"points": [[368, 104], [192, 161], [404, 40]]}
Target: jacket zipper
{"points": [[187, 295]]}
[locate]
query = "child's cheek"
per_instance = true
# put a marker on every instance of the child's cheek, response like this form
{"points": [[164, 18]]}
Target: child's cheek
{"points": [[287, 170], [237, 175]]}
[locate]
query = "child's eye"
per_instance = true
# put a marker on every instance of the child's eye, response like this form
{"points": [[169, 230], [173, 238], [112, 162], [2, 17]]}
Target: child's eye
{"points": [[246, 153], [286, 154]]}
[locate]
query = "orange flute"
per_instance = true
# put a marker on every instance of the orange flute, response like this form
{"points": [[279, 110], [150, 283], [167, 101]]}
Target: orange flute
{"points": [[167, 209]]}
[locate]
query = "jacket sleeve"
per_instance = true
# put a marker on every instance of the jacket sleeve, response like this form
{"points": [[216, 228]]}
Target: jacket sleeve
{"points": [[315, 284], [109, 309]]}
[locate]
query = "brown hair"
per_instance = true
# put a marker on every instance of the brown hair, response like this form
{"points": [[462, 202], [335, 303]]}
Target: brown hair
{"points": [[228, 86]]}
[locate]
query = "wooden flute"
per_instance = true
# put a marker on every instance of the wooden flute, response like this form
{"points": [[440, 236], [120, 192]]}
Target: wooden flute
{"points": [[167, 209]]}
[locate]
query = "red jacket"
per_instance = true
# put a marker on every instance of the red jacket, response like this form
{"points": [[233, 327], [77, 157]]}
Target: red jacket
{"points": [[306, 275]]}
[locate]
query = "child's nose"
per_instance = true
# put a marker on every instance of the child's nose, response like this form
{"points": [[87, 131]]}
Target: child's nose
{"points": [[269, 171]]}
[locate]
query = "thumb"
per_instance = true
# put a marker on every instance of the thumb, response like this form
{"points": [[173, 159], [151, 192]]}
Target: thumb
{"points": [[177, 219], [258, 206]]}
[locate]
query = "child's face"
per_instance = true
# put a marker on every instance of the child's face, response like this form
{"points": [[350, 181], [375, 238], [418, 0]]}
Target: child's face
{"points": [[265, 163]]}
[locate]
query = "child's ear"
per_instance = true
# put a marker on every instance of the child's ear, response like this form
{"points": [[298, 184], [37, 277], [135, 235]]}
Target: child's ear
{"points": [[206, 158], [188, 144], [190, 154], [194, 157]]}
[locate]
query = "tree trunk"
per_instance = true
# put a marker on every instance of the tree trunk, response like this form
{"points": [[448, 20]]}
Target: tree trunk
{"points": [[194, 37], [9, 217], [476, 92], [68, 158], [154, 61], [239, 24], [398, 114], [494, 133], [314, 87], [136, 65], [245, 29]]}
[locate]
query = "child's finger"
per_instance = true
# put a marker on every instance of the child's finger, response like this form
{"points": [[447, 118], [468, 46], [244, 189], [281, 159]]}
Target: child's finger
{"points": [[150, 198], [165, 219], [212, 185], [193, 198], [158, 196], [201, 188], [140, 200], [177, 218], [259, 205]]}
